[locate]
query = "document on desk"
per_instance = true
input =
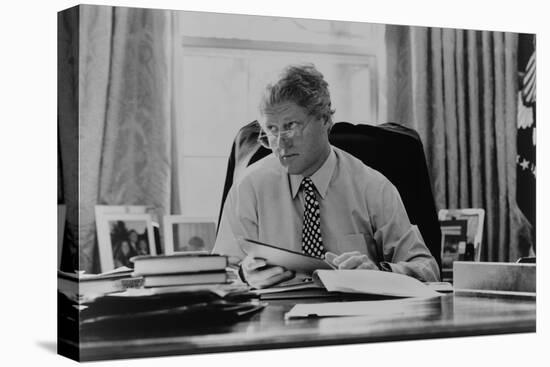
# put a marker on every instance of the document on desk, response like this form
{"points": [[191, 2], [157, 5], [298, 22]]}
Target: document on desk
{"points": [[366, 282], [356, 308], [372, 282], [356, 282]]}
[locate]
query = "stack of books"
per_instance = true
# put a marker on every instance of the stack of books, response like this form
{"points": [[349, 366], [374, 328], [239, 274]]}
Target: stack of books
{"points": [[181, 269], [80, 285]]}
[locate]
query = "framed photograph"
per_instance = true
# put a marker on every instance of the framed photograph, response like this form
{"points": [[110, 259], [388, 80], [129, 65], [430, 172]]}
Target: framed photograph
{"points": [[61, 215], [453, 245], [123, 236], [182, 234], [474, 218], [134, 209]]}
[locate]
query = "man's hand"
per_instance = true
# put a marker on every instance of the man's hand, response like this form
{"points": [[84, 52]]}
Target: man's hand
{"points": [[351, 260], [260, 275]]}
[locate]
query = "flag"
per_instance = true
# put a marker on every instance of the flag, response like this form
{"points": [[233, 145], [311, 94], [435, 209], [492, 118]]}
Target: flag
{"points": [[526, 130]]}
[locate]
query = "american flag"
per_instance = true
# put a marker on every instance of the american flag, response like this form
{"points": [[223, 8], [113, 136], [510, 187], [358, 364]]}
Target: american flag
{"points": [[526, 129], [529, 83]]}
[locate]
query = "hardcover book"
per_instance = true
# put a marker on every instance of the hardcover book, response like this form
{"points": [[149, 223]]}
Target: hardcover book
{"points": [[178, 263]]}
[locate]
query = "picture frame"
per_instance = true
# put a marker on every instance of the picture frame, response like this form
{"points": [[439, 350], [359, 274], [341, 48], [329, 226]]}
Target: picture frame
{"points": [[133, 209], [197, 233], [453, 245], [122, 236], [474, 229]]}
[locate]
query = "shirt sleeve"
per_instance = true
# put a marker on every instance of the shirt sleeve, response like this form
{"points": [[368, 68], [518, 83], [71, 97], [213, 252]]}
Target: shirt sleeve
{"points": [[402, 244], [239, 219]]}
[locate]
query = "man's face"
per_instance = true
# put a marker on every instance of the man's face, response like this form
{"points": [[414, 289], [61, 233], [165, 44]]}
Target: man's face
{"points": [[304, 153]]}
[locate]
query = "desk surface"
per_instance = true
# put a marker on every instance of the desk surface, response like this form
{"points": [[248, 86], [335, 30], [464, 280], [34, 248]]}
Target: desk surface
{"points": [[448, 316]]}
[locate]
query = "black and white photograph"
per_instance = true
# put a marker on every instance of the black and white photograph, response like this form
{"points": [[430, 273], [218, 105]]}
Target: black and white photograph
{"points": [[128, 239], [184, 234], [128, 235], [472, 224], [454, 246], [382, 156]]}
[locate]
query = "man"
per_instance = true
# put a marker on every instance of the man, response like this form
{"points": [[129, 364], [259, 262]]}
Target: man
{"points": [[311, 197]]}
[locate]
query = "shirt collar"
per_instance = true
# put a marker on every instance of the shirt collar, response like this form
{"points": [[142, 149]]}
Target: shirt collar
{"points": [[321, 177]]}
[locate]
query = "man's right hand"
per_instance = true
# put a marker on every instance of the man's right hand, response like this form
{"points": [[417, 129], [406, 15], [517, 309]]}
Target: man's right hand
{"points": [[260, 275]]}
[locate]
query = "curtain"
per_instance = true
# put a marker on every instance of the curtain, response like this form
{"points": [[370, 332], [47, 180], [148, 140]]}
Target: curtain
{"points": [[463, 103], [125, 120], [67, 106]]}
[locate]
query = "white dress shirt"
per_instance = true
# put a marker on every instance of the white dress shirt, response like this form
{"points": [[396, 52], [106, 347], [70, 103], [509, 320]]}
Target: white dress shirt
{"points": [[360, 210]]}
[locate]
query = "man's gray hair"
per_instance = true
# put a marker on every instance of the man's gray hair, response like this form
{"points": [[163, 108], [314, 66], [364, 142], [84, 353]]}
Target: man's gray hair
{"points": [[303, 85]]}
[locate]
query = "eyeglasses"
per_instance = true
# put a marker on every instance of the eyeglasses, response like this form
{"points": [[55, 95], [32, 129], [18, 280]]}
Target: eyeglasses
{"points": [[270, 138]]}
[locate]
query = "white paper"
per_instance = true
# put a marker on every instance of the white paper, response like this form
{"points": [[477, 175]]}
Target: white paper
{"points": [[373, 282], [356, 308]]}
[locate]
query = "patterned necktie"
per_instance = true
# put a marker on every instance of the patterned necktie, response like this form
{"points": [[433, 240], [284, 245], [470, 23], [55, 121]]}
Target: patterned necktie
{"points": [[312, 241]]}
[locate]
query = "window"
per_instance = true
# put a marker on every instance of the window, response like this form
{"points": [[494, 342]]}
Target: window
{"points": [[223, 63]]}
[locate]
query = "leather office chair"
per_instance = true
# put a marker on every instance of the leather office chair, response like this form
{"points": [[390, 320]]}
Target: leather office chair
{"points": [[392, 149]]}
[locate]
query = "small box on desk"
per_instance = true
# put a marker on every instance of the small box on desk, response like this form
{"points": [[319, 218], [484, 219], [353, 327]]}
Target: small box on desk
{"points": [[494, 277]]}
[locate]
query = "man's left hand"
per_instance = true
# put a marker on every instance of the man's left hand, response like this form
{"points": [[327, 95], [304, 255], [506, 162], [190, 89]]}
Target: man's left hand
{"points": [[351, 260]]}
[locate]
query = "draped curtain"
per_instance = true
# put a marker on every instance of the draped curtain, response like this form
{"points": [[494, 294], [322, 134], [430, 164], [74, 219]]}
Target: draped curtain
{"points": [[125, 120], [67, 133], [458, 89]]}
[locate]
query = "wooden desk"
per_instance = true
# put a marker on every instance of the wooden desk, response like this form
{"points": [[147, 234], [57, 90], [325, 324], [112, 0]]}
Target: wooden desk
{"points": [[447, 316]]}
